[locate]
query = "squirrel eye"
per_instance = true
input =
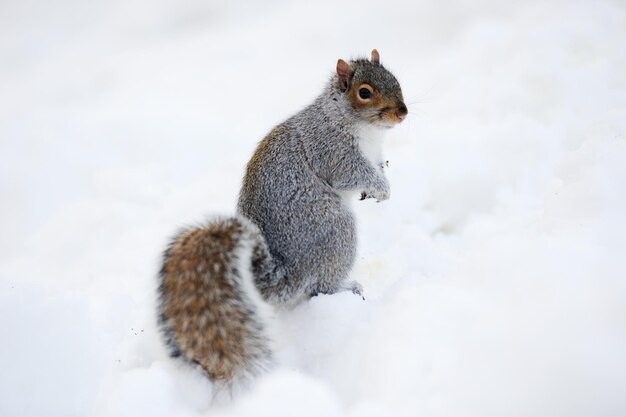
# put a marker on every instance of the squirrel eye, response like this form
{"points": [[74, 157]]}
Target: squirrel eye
{"points": [[364, 93]]}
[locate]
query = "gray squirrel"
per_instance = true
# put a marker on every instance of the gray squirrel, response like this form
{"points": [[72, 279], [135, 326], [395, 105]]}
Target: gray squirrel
{"points": [[294, 235]]}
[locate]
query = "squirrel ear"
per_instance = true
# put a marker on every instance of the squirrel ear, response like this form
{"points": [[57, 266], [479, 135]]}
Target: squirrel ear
{"points": [[345, 74], [375, 56]]}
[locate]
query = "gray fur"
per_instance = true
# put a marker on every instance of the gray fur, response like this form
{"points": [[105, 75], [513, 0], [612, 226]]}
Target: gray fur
{"points": [[292, 188], [294, 236]]}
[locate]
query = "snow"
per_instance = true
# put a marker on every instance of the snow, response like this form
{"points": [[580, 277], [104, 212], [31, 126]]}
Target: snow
{"points": [[494, 276]]}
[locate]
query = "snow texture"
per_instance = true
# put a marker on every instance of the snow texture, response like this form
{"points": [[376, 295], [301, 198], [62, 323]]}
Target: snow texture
{"points": [[495, 276]]}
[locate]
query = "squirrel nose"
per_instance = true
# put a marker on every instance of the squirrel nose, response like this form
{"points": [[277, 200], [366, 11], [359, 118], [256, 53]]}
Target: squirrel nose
{"points": [[401, 111]]}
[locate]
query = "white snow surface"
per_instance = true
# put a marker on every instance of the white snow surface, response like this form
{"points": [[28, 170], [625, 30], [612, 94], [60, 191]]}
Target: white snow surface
{"points": [[495, 275]]}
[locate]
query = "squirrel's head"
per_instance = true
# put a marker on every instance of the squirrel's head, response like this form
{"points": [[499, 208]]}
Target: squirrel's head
{"points": [[372, 91]]}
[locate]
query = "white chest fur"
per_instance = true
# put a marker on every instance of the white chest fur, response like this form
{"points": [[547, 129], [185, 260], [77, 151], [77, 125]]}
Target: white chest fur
{"points": [[371, 143]]}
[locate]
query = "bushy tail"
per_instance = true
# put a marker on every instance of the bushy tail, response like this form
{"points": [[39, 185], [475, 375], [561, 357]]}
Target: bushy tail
{"points": [[211, 312]]}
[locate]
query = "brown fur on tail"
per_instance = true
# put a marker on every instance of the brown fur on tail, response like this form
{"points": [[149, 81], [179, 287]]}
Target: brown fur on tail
{"points": [[210, 310]]}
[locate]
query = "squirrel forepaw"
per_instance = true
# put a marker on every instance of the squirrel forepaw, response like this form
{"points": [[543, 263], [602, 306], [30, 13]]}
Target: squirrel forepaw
{"points": [[356, 288], [382, 193], [365, 195], [378, 195], [382, 196]]}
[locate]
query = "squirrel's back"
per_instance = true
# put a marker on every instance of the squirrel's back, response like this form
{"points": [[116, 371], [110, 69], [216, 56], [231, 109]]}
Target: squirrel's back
{"points": [[210, 310]]}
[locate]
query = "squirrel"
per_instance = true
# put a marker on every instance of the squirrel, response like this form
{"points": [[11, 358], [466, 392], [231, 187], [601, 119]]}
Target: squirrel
{"points": [[294, 234]]}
